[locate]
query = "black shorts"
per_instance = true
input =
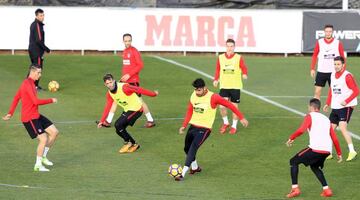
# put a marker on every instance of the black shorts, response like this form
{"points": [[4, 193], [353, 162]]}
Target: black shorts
{"points": [[308, 157], [129, 117], [343, 114], [322, 78], [232, 94], [37, 127], [137, 84]]}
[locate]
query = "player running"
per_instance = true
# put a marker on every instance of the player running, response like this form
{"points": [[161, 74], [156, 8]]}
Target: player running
{"points": [[124, 95]]}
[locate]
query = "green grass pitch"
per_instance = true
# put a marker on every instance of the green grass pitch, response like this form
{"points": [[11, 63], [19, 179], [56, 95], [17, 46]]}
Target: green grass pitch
{"points": [[252, 164]]}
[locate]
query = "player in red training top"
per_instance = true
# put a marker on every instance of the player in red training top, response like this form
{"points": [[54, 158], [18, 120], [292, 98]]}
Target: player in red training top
{"points": [[37, 125], [132, 65], [321, 136], [326, 49]]}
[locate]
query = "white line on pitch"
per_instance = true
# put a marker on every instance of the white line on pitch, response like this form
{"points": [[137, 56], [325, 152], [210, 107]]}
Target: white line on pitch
{"points": [[291, 97], [244, 91], [21, 186]]}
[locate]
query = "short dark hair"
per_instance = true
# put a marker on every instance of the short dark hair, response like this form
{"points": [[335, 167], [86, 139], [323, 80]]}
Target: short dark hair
{"points": [[34, 66], [329, 26], [39, 10], [198, 83], [315, 103], [127, 34], [108, 76], [337, 58], [230, 41]]}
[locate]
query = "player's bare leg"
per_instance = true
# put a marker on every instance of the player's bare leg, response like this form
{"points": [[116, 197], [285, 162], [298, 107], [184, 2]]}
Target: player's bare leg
{"points": [[42, 138], [347, 137], [52, 133], [150, 121], [235, 120], [223, 113], [317, 92]]}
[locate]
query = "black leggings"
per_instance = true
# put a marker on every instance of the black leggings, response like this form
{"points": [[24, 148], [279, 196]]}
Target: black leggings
{"points": [[193, 140]]}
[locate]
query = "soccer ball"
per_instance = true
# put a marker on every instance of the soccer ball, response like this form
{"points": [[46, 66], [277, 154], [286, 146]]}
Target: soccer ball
{"points": [[175, 170], [53, 86]]}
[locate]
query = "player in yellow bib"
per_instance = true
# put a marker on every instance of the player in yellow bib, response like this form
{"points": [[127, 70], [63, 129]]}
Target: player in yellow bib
{"points": [[125, 96], [230, 70], [201, 115]]}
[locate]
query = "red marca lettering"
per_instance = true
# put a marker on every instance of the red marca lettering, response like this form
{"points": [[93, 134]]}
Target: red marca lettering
{"points": [[207, 34], [163, 27]]}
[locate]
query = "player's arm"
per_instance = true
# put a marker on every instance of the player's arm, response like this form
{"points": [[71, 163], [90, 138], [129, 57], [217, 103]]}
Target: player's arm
{"points": [[187, 118], [314, 59], [130, 89], [336, 143], [108, 105], [217, 73], [39, 40], [350, 82], [31, 94], [328, 100], [14, 103], [218, 100], [341, 50], [306, 124], [243, 68]]}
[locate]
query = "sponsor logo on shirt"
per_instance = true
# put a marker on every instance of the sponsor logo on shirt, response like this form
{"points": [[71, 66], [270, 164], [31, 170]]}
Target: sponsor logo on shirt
{"points": [[126, 62]]}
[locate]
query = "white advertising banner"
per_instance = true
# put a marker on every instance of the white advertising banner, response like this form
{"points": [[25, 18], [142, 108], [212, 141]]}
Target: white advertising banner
{"points": [[77, 28]]}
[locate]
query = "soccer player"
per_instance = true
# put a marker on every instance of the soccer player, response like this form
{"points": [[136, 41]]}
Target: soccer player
{"points": [[230, 70], [37, 45], [124, 95], [342, 98], [132, 65], [201, 115], [321, 135], [326, 49], [37, 125]]}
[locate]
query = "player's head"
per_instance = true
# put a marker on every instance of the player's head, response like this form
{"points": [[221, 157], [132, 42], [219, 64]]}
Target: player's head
{"points": [[314, 104], [230, 46], [328, 29], [35, 71], [339, 63], [127, 39], [109, 81], [39, 14], [200, 88]]}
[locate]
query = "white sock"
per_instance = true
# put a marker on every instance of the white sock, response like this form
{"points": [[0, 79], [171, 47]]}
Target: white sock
{"points": [[294, 186], [45, 151], [194, 165], [185, 169], [149, 117], [226, 120], [38, 160], [351, 147], [110, 117], [234, 124], [325, 187]]}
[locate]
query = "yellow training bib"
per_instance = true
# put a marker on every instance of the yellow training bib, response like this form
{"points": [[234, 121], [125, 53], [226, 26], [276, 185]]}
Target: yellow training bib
{"points": [[203, 115], [132, 102], [230, 72]]}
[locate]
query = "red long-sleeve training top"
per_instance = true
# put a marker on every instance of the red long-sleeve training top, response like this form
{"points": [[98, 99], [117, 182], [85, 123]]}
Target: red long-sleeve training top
{"points": [[29, 101]]}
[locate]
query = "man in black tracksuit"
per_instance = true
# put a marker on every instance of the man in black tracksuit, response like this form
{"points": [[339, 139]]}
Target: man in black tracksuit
{"points": [[37, 45]]}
